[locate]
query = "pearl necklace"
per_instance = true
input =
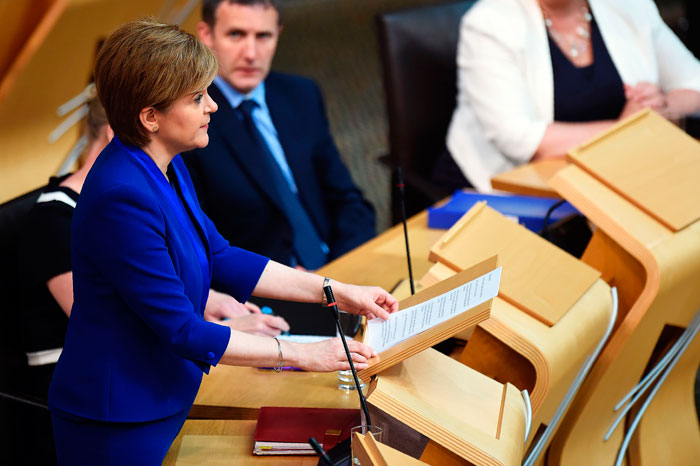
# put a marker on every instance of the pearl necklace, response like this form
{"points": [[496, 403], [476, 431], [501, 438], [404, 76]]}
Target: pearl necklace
{"points": [[572, 44]]}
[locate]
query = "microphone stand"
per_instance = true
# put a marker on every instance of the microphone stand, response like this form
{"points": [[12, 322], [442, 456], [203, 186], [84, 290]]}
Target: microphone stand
{"points": [[402, 201], [334, 308]]}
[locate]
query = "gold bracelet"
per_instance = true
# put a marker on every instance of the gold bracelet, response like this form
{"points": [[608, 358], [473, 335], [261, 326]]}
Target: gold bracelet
{"points": [[280, 363]]}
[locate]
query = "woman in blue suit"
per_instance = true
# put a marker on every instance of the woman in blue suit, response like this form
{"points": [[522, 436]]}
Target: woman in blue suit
{"points": [[144, 256]]}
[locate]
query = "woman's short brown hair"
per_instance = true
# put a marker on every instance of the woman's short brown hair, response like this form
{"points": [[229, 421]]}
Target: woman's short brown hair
{"points": [[145, 63]]}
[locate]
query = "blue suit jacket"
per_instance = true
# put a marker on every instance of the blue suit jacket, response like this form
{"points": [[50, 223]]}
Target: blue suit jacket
{"points": [[137, 343], [234, 188]]}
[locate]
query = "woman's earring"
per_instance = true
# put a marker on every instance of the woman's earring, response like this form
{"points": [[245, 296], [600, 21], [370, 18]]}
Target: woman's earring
{"points": [[155, 128]]}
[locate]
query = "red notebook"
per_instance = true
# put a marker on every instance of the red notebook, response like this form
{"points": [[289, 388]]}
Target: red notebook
{"points": [[286, 431]]}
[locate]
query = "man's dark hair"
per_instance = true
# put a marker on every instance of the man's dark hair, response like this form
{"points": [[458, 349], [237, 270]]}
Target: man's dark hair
{"points": [[209, 8]]}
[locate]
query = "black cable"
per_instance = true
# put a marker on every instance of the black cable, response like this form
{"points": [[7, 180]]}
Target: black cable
{"points": [[545, 223]]}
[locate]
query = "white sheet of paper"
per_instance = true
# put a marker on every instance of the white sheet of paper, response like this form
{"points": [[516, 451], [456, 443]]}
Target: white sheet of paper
{"points": [[383, 334], [303, 338]]}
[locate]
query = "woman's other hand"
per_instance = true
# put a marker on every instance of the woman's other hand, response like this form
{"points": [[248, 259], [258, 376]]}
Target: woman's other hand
{"points": [[370, 301], [647, 95], [644, 95], [323, 356]]}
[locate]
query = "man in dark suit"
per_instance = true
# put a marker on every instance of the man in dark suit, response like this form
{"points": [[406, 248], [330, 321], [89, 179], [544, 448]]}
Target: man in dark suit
{"points": [[271, 177]]}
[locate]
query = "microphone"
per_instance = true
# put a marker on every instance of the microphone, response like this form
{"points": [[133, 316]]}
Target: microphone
{"points": [[334, 308], [402, 201]]}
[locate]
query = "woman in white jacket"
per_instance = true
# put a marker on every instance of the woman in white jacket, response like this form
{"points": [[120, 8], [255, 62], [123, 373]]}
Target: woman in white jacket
{"points": [[536, 78]]}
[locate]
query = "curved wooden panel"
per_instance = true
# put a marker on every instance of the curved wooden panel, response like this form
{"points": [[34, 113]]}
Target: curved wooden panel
{"points": [[19, 21], [669, 296], [55, 67]]}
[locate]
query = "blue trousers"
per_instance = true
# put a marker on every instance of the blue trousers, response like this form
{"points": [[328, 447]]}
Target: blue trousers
{"points": [[88, 442]]}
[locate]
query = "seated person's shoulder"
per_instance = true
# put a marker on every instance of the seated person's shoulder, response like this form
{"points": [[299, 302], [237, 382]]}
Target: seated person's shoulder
{"points": [[499, 18], [293, 84], [637, 12], [53, 205]]}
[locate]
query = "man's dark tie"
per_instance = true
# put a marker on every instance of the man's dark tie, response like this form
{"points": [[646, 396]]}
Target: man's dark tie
{"points": [[307, 242]]}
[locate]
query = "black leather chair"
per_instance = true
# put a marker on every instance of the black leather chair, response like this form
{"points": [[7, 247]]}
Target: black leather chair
{"points": [[12, 215], [418, 53], [17, 413]]}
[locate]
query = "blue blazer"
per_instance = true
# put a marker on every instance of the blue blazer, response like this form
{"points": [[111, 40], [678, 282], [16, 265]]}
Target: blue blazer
{"points": [[137, 344], [234, 188]]}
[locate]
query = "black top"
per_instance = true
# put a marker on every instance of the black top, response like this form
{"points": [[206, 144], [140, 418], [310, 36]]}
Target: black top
{"points": [[588, 93], [45, 254]]}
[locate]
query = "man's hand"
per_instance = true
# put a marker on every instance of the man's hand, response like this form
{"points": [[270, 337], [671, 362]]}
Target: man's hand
{"points": [[257, 324]]}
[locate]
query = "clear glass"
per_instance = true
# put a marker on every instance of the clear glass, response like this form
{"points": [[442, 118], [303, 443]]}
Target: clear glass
{"points": [[345, 379], [376, 432], [347, 382]]}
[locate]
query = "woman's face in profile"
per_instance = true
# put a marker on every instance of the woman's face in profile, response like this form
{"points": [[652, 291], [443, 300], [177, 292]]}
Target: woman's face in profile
{"points": [[184, 125]]}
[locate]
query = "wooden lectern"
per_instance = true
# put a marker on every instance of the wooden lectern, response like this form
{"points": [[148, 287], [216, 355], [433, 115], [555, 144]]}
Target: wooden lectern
{"points": [[467, 319], [431, 406], [639, 183], [551, 313]]}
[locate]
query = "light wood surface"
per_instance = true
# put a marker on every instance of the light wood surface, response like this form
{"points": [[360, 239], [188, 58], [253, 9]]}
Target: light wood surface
{"points": [[667, 294], [239, 392], [211, 443], [480, 420], [531, 179], [650, 162], [541, 279]]}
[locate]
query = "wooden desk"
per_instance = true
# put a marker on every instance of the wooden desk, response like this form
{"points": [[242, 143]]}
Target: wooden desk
{"points": [[223, 443], [531, 179]]}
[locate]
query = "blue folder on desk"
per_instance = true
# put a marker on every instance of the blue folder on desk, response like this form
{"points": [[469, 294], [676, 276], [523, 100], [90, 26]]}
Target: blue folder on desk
{"points": [[528, 211]]}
